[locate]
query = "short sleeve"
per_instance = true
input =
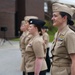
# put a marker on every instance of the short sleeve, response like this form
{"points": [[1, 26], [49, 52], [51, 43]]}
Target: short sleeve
{"points": [[38, 49], [45, 37], [70, 42]]}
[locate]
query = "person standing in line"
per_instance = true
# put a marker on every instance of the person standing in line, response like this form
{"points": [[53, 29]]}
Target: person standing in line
{"points": [[35, 50], [25, 37], [63, 46], [45, 37]]}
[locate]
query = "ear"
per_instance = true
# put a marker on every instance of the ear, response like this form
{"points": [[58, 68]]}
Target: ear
{"points": [[65, 17], [36, 28]]}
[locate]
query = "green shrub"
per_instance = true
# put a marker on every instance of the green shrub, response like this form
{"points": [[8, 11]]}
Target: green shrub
{"points": [[51, 31]]}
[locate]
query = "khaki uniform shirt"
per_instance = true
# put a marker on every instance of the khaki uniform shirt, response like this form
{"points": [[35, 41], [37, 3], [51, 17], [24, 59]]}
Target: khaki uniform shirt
{"points": [[46, 39], [35, 48], [62, 46], [25, 37]]}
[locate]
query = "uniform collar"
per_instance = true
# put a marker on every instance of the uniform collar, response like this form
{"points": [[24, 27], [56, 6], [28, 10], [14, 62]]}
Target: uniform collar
{"points": [[63, 31], [36, 36]]}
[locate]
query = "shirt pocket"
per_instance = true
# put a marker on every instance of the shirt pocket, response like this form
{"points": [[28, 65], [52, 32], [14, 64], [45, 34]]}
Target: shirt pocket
{"points": [[59, 43], [29, 48]]}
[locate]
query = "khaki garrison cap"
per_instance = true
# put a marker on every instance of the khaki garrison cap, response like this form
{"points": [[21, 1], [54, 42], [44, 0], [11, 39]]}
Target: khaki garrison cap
{"points": [[63, 8], [30, 17], [23, 22]]}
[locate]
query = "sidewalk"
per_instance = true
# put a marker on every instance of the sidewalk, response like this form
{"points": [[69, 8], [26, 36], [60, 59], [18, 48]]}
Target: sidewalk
{"points": [[10, 58], [7, 45]]}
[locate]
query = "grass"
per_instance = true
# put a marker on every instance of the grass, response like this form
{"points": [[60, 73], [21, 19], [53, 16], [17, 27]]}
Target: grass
{"points": [[50, 32], [50, 39], [16, 39]]}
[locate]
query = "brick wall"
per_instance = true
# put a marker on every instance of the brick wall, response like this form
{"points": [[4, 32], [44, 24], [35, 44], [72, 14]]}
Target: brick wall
{"points": [[35, 7], [12, 13], [7, 20], [7, 17], [7, 6]]}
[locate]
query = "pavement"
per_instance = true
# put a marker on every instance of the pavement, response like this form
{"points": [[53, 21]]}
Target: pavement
{"points": [[10, 58]]}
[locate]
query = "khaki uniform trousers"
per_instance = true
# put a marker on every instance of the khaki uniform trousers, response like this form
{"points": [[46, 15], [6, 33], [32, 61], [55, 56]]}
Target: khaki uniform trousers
{"points": [[57, 70]]}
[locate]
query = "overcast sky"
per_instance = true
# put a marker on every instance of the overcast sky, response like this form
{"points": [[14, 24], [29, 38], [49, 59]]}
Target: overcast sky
{"points": [[72, 2], [68, 1]]}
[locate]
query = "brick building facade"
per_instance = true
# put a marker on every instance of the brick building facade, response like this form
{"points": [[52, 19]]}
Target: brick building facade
{"points": [[12, 12]]}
